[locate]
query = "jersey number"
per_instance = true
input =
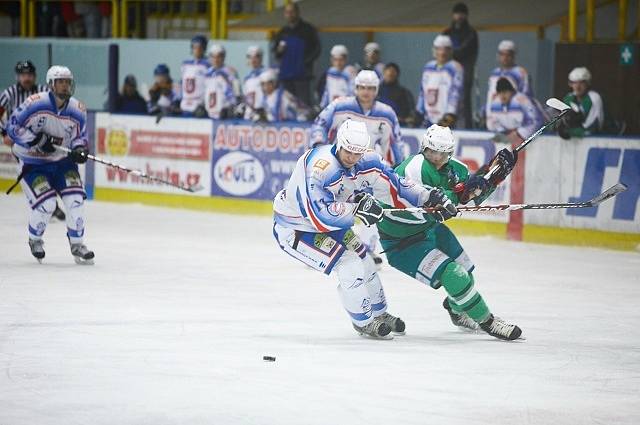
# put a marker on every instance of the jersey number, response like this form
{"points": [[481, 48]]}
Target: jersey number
{"points": [[212, 100], [432, 96]]}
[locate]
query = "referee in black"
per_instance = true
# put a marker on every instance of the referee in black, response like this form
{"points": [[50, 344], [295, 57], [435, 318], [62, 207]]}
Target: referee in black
{"points": [[15, 94]]}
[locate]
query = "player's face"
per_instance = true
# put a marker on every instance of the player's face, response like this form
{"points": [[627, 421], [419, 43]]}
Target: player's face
{"points": [[441, 54], [579, 88], [62, 88], [290, 14], [217, 61], [438, 159], [255, 61], [198, 50], [268, 87], [348, 159], [27, 80], [373, 57], [505, 96], [390, 76], [366, 94], [506, 58], [339, 62], [161, 79]]}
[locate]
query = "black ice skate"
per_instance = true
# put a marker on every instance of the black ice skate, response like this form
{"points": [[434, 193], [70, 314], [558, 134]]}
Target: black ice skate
{"points": [[375, 329], [59, 214], [463, 321], [37, 249], [81, 254], [498, 328], [395, 323]]}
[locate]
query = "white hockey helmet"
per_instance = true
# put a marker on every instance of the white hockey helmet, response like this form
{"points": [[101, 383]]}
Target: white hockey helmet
{"points": [[371, 47], [339, 50], [367, 78], [216, 49], [442, 40], [268, 75], [507, 45], [254, 51], [353, 136], [580, 74], [439, 139], [58, 72]]}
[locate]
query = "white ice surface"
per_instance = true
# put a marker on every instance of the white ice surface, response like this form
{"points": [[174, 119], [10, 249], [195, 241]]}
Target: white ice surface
{"points": [[170, 326]]}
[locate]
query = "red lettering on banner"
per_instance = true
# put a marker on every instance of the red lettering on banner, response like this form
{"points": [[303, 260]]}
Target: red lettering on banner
{"points": [[172, 145], [272, 140], [285, 139], [261, 138], [102, 135]]}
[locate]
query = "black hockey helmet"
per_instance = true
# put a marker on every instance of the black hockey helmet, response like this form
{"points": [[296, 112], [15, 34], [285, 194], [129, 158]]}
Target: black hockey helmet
{"points": [[25, 67]]}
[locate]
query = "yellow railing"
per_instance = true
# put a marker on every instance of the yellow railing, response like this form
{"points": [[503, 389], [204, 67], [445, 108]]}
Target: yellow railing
{"points": [[590, 22]]}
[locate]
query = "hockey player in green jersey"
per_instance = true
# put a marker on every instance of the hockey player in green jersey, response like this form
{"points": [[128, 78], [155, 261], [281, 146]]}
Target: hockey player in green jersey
{"points": [[424, 248]]}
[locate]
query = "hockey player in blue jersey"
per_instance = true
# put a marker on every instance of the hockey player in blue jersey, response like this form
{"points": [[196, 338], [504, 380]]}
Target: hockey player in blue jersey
{"points": [[43, 122], [516, 74], [512, 114], [314, 214], [339, 78], [192, 77], [251, 90], [382, 122]]}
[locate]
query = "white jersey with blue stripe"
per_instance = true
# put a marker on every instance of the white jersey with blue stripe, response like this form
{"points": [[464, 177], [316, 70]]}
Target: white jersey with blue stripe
{"points": [[281, 105], [39, 114], [319, 195], [440, 91], [381, 120], [252, 91], [338, 84], [218, 91], [517, 76], [521, 114], [193, 72]]}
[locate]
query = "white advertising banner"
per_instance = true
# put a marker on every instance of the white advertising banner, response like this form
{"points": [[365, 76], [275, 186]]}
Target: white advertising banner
{"points": [[8, 163], [173, 149]]}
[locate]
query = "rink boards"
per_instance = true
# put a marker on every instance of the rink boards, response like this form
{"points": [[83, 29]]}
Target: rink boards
{"points": [[242, 165]]}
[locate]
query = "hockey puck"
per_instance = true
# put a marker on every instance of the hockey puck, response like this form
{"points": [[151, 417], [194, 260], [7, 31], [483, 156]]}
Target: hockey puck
{"points": [[268, 358]]}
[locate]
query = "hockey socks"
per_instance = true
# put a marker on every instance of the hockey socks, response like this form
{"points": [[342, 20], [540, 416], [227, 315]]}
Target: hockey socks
{"points": [[463, 297]]}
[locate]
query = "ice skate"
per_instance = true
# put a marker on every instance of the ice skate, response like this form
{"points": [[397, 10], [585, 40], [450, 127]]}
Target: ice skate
{"points": [[37, 249], [375, 329], [498, 328], [395, 323], [463, 321], [81, 254], [59, 214]]}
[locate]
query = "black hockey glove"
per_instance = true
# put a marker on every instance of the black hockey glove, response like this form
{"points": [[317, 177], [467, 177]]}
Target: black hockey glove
{"points": [[367, 209], [79, 154], [444, 208], [44, 143], [505, 159], [474, 186]]}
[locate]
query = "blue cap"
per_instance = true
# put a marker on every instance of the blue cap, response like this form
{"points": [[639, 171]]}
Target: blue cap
{"points": [[200, 39], [161, 69]]}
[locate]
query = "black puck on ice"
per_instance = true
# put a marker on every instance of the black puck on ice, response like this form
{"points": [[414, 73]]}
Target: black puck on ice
{"points": [[268, 358]]}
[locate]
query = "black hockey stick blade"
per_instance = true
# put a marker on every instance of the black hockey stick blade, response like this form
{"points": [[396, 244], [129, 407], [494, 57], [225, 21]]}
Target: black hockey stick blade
{"points": [[609, 193]]}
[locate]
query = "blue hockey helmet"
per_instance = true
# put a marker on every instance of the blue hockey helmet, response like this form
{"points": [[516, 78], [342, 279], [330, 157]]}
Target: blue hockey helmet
{"points": [[161, 69]]}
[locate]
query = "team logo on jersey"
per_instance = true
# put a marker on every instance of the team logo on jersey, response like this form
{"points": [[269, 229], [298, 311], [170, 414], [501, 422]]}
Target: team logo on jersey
{"points": [[336, 209], [321, 164]]}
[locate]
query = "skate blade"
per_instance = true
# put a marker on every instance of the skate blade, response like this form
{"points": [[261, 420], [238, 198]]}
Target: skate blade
{"points": [[399, 333], [367, 336], [83, 262], [39, 260]]}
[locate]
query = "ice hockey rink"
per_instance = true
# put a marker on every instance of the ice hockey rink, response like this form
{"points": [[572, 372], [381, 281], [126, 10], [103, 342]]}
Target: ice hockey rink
{"points": [[171, 324]]}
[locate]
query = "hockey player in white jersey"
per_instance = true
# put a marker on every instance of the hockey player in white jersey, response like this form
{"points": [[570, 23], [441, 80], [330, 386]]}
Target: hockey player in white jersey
{"points": [[314, 213], [441, 88], [372, 59], [43, 122], [193, 73], [339, 78], [221, 92], [251, 89], [512, 114], [279, 104], [382, 122], [516, 74]]}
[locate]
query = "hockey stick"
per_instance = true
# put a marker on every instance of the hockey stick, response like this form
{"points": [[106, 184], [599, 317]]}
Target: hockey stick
{"points": [[192, 188], [607, 194], [552, 103]]}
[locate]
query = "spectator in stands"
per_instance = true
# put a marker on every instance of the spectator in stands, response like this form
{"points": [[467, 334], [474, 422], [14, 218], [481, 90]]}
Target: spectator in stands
{"points": [[441, 86], [465, 51], [130, 101], [513, 115], [278, 104], [397, 96], [587, 116], [251, 90], [372, 59], [164, 99], [338, 80], [296, 46]]}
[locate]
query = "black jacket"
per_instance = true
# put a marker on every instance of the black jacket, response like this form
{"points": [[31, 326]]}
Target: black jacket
{"points": [[302, 49], [465, 44], [400, 99]]}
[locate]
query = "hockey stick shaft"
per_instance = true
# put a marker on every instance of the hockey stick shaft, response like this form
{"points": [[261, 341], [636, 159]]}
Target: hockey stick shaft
{"points": [[607, 194], [134, 172]]}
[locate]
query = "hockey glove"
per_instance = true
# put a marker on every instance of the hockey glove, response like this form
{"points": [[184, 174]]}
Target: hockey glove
{"points": [[448, 120], [367, 209], [505, 159], [79, 154], [444, 208], [45, 143], [474, 186]]}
